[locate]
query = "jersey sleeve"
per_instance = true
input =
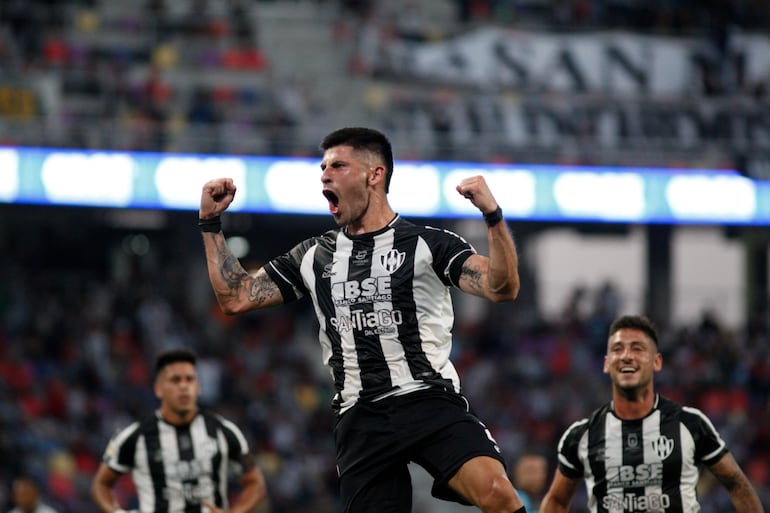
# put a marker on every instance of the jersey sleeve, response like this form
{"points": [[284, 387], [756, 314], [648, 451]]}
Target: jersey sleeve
{"points": [[709, 446], [285, 271], [570, 463], [450, 251], [241, 459], [121, 449]]}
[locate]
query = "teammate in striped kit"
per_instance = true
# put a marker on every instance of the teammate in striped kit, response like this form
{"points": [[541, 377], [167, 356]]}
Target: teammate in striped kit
{"points": [[642, 452], [179, 458], [380, 287]]}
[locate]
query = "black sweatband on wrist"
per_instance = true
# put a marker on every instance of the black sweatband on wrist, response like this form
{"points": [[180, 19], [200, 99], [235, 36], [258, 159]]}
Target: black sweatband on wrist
{"points": [[494, 217], [212, 224]]}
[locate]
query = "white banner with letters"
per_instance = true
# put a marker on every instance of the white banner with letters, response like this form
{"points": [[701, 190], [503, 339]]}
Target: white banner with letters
{"points": [[618, 63]]}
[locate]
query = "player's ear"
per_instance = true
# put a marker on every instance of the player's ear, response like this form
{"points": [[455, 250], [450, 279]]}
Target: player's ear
{"points": [[377, 175]]}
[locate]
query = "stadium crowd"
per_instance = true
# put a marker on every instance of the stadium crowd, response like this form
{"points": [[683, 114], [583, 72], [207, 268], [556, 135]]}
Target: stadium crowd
{"points": [[164, 75]]}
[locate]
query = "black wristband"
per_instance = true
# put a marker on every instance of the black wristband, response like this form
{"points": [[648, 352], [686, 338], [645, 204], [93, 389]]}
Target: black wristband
{"points": [[212, 224], [494, 217]]}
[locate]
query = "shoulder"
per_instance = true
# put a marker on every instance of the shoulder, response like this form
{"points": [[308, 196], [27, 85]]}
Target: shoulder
{"points": [[578, 428], [134, 429], [424, 229], [437, 238], [220, 422], [688, 415], [667, 406], [327, 238]]}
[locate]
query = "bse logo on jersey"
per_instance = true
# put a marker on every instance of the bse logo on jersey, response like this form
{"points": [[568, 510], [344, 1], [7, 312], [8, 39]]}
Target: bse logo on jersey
{"points": [[368, 290], [632, 476]]}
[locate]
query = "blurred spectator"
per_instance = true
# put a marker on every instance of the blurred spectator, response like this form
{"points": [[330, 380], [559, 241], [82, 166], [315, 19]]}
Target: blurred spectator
{"points": [[25, 493], [530, 477]]}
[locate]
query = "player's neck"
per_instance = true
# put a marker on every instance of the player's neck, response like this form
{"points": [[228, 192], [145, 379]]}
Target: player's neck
{"points": [[178, 418], [631, 405], [375, 219]]}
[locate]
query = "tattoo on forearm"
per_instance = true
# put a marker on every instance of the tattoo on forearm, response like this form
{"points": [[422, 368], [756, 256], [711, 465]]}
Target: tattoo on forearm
{"points": [[258, 288], [261, 288], [473, 274], [232, 272]]}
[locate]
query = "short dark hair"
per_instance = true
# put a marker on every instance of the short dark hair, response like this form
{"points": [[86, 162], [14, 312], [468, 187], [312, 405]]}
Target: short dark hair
{"points": [[166, 358], [635, 322], [360, 138]]}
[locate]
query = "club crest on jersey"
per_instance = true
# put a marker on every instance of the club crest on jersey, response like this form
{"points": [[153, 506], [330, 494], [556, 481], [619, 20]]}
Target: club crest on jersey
{"points": [[663, 447], [392, 260], [633, 441]]}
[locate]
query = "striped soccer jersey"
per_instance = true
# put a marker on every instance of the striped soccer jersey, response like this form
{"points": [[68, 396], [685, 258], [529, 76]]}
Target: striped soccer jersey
{"points": [[174, 467], [383, 304], [648, 465]]}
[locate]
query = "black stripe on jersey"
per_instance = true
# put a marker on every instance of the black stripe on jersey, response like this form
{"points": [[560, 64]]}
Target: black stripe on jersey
{"points": [[187, 453], [211, 431], [597, 446], [633, 450], [672, 465], [155, 463], [375, 373], [403, 300], [325, 256]]}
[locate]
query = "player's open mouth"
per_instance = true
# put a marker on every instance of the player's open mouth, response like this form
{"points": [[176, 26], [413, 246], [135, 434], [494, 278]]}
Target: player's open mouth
{"points": [[334, 201]]}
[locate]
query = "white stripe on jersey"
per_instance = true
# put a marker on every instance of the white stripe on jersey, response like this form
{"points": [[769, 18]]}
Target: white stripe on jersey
{"points": [[435, 326], [590, 478], [170, 449], [142, 478], [392, 349], [613, 454], [689, 479], [347, 338]]}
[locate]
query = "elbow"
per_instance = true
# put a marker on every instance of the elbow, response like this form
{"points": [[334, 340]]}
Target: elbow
{"points": [[505, 293], [228, 306], [504, 298]]}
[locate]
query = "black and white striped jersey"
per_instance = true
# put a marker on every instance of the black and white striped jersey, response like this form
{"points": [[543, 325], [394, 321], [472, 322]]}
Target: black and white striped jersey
{"points": [[383, 304], [174, 467], [649, 465]]}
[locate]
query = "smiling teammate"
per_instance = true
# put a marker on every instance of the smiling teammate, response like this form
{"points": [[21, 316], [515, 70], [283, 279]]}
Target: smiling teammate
{"points": [[642, 452], [380, 288]]}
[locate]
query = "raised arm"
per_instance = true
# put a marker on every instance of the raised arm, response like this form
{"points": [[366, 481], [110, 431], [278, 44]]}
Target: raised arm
{"points": [[495, 277], [236, 290], [742, 494]]}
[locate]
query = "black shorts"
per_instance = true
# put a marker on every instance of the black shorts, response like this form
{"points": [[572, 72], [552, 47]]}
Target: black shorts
{"points": [[377, 440]]}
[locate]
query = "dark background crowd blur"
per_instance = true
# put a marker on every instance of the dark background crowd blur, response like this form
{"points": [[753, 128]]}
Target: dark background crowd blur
{"points": [[88, 297]]}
